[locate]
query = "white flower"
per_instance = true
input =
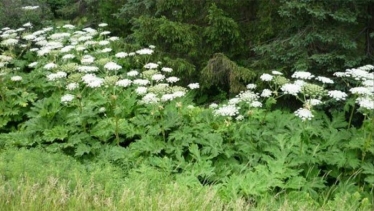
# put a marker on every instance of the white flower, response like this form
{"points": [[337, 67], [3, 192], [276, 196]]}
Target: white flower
{"points": [[68, 26], [67, 98], [102, 109], [106, 50], [274, 72], [124, 82], [256, 104], [194, 85], [68, 56], [248, 96], [314, 102], [28, 24], [340, 74], [105, 33], [234, 101], [304, 114], [87, 59], [103, 25], [104, 42], [152, 46], [87, 69], [337, 95], [302, 75], [227, 110], [239, 118], [167, 97], [179, 94], [324, 80], [92, 80], [30, 7], [167, 69], [121, 55], [360, 91], [33, 64], [266, 77], [141, 82], [158, 77], [141, 90], [67, 48], [9, 42], [266, 93], [368, 83], [132, 73], [251, 86], [172, 79], [149, 98], [144, 51], [366, 103], [16, 78], [292, 89], [150, 65], [357, 74], [299, 82], [50, 66], [112, 66], [113, 38], [72, 86], [29, 37], [213, 105], [58, 75]]}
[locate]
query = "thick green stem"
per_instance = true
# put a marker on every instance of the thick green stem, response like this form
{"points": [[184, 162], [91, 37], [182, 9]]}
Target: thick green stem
{"points": [[351, 116]]}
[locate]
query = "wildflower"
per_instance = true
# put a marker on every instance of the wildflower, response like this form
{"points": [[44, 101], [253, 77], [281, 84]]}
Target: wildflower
{"points": [[106, 50], [58, 75], [304, 114], [144, 51], [248, 96], [113, 38], [266, 93], [132, 73], [141, 82], [102, 109], [360, 91], [92, 80], [33, 64], [167, 97], [141, 90], [29, 37], [357, 74], [274, 72], [179, 93], [151, 66], [152, 46], [68, 56], [158, 77], [213, 105], [299, 82], [256, 104], [16, 78], [172, 79], [324, 80], [227, 110], [104, 42], [105, 33], [149, 98], [167, 69], [112, 66], [67, 49], [239, 118], [28, 24], [251, 86], [314, 102], [121, 55], [88, 69], [302, 75], [366, 103], [340, 74], [103, 25], [234, 101], [194, 85], [337, 95], [72, 86], [266, 77], [9, 42], [68, 26], [292, 89], [67, 98], [87, 59], [50, 66], [124, 82], [30, 7]]}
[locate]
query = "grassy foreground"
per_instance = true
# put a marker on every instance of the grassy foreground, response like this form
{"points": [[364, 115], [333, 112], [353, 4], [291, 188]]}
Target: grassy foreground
{"points": [[36, 180]]}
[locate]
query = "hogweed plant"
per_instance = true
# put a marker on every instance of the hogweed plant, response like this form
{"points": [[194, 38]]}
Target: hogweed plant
{"points": [[98, 90]]}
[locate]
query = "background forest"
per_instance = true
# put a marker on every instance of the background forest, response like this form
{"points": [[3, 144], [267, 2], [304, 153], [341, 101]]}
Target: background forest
{"points": [[187, 104]]}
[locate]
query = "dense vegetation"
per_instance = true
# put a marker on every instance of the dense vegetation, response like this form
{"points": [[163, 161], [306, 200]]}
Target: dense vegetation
{"points": [[245, 105]]}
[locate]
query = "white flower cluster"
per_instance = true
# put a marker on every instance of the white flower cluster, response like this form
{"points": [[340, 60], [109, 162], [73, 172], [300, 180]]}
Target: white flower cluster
{"points": [[304, 114], [302, 75]]}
